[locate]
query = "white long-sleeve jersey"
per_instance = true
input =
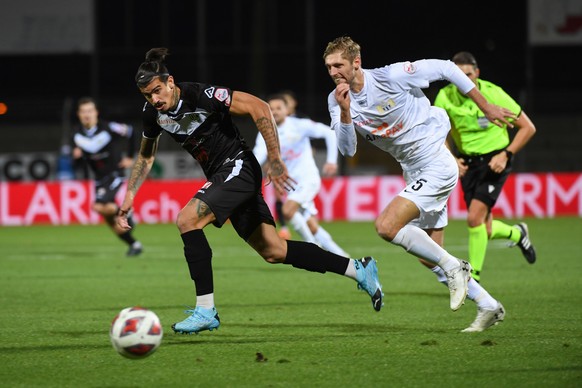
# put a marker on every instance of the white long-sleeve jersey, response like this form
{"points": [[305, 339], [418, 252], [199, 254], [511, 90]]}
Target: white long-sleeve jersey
{"points": [[296, 152], [391, 107]]}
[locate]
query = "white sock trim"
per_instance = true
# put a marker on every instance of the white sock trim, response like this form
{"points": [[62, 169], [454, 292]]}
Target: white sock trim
{"points": [[206, 301]]}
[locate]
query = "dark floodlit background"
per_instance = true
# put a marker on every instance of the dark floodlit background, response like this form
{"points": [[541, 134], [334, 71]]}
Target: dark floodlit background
{"points": [[262, 46]]}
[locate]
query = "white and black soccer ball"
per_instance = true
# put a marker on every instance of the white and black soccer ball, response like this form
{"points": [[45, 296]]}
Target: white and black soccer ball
{"points": [[136, 332]]}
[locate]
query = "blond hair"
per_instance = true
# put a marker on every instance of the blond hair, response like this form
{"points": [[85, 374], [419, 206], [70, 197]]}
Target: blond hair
{"points": [[344, 44]]}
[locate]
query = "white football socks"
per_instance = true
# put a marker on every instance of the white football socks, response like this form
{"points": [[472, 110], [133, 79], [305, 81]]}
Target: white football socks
{"points": [[299, 223], [327, 243], [416, 241]]}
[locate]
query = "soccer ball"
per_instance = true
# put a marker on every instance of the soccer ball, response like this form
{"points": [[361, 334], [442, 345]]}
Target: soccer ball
{"points": [[136, 332]]}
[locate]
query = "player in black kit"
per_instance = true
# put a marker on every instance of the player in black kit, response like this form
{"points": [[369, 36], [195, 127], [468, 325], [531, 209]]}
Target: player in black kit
{"points": [[198, 116], [108, 148]]}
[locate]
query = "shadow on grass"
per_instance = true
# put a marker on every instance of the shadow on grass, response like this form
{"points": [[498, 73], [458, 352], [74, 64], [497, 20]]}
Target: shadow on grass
{"points": [[524, 370], [51, 348], [77, 333], [279, 333], [286, 303]]}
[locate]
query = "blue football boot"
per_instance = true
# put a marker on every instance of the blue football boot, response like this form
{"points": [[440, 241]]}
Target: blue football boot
{"points": [[200, 319], [367, 278]]}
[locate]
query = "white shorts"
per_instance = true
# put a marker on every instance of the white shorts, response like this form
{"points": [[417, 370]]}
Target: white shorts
{"points": [[304, 193], [429, 188], [308, 210]]}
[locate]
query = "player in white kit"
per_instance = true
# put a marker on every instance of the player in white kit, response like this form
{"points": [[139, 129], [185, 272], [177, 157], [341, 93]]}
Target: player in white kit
{"points": [[294, 134], [388, 108]]}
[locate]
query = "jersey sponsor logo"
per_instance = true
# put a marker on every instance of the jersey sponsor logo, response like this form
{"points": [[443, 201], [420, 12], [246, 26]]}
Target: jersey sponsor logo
{"points": [[385, 130], [409, 67], [221, 94], [363, 123], [186, 125], [372, 137], [165, 121], [209, 92]]}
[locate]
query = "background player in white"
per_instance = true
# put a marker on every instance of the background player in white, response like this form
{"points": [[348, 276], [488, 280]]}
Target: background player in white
{"points": [[296, 152], [387, 106], [291, 100]]}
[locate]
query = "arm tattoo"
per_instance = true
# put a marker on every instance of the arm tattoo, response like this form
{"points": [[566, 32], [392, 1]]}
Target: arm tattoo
{"points": [[140, 170], [269, 133], [276, 168], [142, 165]]}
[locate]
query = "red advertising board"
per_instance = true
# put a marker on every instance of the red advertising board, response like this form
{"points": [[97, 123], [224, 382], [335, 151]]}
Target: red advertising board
{"points": [[357, 198]]}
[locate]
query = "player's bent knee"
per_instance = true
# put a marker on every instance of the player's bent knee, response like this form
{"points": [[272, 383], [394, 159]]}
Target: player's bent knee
{"points": [[186, 222], [288, 214], [474, 220], [101, 209], [386, 230], [270, 252]]}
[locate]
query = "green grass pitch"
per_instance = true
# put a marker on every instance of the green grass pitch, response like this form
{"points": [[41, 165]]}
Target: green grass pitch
{"points": [[60, 287]]}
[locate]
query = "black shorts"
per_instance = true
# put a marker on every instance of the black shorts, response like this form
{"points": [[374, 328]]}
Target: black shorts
{"points": [[235, 192], [107, 187], [480, 182]]}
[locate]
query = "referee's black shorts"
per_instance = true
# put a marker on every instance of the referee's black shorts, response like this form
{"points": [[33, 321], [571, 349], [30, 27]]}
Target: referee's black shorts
{"points": [[235, 192], [480, 182]]}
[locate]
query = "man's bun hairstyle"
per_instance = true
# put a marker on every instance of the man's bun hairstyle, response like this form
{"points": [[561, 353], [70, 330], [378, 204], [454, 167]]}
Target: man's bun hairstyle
{"points": [[153, 67]]}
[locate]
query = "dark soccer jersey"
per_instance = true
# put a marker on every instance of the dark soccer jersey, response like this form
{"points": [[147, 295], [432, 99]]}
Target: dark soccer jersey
{"points": [[201, 123], [104, 146]]}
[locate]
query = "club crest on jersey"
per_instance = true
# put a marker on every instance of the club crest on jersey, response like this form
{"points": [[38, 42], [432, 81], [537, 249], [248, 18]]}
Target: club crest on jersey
{"points": [[209, 92], [385, 106], [409, 67], [221, 94]]}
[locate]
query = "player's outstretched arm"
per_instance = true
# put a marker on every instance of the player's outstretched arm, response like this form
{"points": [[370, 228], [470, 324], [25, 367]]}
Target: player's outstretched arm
{"points": [[139, 172], [496, 114], [247, 104]]}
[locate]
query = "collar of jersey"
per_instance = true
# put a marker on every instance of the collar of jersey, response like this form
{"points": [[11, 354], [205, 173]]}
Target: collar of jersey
{"points": [[90, 131], [175, 112]]}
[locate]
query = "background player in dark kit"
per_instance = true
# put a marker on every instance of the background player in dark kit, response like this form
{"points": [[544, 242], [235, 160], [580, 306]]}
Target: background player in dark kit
{"points": [[108, 149]]}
